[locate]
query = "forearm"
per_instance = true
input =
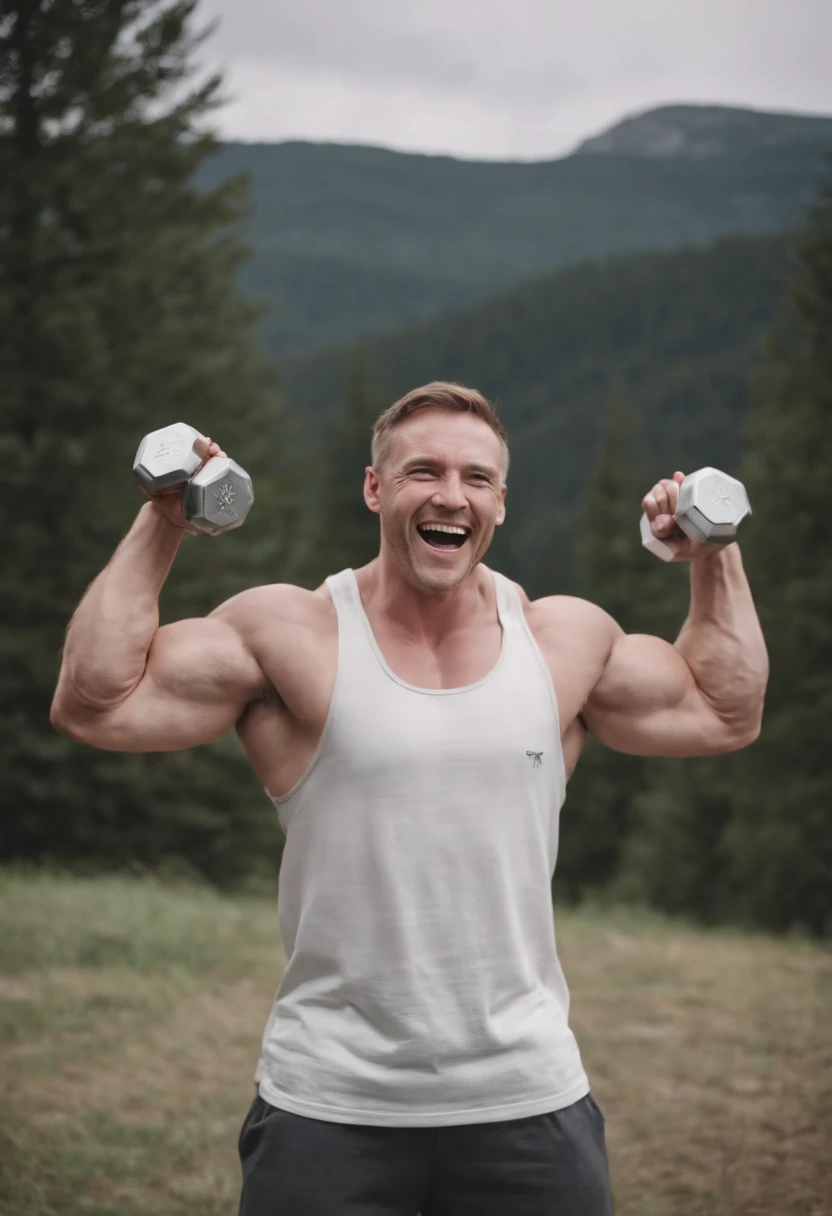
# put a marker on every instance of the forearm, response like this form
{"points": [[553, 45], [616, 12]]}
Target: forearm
{"points": [[722, 641], [112, 629]]}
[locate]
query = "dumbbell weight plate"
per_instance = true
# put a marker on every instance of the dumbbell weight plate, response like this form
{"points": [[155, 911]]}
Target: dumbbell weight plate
{"points": [[219, 497], [711, 507], [166, 457]]}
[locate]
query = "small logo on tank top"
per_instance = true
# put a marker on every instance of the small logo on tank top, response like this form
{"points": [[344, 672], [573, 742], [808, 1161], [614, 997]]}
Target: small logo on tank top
{"points": [[536, 758]]}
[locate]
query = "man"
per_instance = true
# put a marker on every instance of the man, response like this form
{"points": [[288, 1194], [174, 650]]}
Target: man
{"points": [[415, 722]]}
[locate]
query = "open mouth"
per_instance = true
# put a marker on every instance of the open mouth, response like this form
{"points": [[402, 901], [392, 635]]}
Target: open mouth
{"points": [[443, 536]]}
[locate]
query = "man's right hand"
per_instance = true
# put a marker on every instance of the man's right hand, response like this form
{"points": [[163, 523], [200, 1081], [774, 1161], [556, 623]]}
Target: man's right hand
{"points": [[169, 502]]}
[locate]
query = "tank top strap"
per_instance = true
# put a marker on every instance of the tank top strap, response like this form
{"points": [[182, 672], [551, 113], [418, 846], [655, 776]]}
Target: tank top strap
{"points": [[509, 607], [358, 655], [343, 588], [519, 640], [347, 600]]}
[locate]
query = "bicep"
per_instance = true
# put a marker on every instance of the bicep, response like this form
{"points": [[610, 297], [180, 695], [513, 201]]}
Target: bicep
{"points": [[198, 679], [647, 703]]}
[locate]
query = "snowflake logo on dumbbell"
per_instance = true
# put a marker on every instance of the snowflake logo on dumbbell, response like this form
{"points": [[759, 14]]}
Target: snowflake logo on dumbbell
{"points": [[721, 495], [225, 496]]}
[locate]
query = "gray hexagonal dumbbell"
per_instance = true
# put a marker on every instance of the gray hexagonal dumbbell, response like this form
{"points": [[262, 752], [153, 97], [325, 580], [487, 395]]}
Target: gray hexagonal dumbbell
{"points": [[166, 457], [215, 498], [711, 508], [218, 497]]}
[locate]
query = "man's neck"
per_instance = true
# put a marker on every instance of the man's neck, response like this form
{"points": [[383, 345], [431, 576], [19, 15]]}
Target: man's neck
{"points": [[421, 613]]}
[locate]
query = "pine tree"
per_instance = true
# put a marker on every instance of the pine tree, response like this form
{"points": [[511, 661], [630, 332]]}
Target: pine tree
{"points": [[345, 531], [649, 830], [118, 314], [643, 596], [673, 858], [778, 844], [619, 574], [748, 836]]}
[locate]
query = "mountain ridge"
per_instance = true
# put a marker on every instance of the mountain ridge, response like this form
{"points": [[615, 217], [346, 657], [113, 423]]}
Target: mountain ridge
{"points": [[351, 239], [750, 119], [699, 130]]}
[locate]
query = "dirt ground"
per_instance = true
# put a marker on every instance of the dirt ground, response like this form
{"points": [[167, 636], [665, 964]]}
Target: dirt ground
{"points": [[131, 1013]]}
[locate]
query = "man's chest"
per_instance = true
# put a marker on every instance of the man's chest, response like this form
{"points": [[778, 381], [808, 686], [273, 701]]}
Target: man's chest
{"points": [[305, 672], [464, 657]]}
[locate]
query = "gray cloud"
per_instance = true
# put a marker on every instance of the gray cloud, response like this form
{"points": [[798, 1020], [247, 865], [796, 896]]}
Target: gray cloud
{"points": [[495, 79], [366, 39]]}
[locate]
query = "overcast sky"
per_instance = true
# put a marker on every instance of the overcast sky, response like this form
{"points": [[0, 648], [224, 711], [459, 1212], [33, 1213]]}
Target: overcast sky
{"points": [[505, 78]]}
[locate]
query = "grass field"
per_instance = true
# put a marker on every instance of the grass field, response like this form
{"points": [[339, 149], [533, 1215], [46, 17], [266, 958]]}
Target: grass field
{"points": [[131, 1014]]}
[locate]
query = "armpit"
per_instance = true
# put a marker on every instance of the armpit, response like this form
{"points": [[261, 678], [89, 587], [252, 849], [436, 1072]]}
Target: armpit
{"points": [[267, 699], [574, 739]]}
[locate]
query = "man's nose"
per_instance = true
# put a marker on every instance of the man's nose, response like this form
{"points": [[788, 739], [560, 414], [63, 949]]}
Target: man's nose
{"points": [[450, 494]]}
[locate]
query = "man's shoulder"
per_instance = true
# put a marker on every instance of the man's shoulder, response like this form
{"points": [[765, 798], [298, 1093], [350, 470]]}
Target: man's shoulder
{"points": [[271, 603], [559, 612], [570, 607]]}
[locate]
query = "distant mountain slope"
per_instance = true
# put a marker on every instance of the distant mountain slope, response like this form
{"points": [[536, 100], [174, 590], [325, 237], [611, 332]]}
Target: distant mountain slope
{"points": [[705, 131], [676, 333], [351, 239]]}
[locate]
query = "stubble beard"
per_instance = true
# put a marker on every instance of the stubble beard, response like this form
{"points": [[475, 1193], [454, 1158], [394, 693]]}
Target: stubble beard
{"points": [[401, 548]]}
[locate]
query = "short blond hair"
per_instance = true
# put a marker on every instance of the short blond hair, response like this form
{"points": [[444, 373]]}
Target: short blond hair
{"points": [[439, 395]]}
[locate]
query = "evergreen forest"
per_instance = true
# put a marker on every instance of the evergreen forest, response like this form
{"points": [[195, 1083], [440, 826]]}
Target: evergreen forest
{"points": [[631, 316], [350, 240]]}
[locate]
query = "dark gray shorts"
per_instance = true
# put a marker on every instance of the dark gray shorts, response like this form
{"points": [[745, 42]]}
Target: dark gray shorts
{"points": [[547, 1165]]}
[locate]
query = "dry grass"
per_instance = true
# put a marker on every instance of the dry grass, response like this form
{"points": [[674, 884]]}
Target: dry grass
{"points": [[131, 1013], [712, 1056]]}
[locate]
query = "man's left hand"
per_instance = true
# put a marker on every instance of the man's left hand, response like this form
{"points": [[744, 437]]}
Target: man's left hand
{"points": [[659, 505]]}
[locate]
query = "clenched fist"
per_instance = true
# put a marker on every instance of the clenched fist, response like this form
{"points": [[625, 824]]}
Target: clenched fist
{"points": [[689, 518]]}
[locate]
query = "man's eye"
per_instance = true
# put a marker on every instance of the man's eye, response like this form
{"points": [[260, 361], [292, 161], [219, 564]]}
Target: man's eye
{"points": [[422, 472]]}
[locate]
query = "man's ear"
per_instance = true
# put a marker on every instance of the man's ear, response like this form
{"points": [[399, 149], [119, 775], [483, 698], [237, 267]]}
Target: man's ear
{"points": [[372, 488], [502, 512]]}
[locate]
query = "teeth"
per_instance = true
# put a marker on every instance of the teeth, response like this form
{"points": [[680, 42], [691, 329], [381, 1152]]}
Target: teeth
{"points": [[445, 528]]}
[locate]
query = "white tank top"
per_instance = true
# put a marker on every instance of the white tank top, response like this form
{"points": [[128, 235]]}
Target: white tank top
{"points": [[423, 986]]}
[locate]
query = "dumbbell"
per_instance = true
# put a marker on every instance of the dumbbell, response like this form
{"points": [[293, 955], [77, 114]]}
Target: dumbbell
{"points": [[710, 509], [215, 499]]}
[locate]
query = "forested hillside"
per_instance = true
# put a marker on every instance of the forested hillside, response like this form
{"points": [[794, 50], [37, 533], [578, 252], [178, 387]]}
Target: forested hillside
{"points": [[353, 239], [677, 334]]}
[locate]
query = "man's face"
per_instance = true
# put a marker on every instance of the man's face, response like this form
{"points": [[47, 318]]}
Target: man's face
{"points": [[440, 495]]}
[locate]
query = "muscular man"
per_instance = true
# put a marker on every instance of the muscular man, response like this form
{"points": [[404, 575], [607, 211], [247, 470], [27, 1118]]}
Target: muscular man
{"points": [[415, 723]]}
